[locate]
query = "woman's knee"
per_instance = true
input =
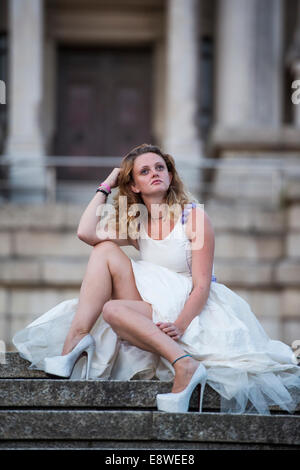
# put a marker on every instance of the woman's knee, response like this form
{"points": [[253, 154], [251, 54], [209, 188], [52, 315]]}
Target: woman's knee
{"points": [[110, 311], [118, 262], [106, 250], [104, 247]]}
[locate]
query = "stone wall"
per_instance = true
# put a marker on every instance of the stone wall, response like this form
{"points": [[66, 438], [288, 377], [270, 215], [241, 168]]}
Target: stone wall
{"points": [[42, 262], [257, 256], [255, 210]]}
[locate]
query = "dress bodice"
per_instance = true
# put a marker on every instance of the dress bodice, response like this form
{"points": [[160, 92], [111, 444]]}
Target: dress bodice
{"points": [[174, 251]]}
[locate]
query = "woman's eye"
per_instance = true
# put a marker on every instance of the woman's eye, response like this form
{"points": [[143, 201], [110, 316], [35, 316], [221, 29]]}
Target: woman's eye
{"points": [[159, 167]]}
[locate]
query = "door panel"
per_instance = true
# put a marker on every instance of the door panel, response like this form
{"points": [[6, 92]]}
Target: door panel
{"points": [[104, 104]]}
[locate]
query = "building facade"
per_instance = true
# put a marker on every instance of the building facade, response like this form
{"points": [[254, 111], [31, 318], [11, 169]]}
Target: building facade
{"points": [[210, 81]]}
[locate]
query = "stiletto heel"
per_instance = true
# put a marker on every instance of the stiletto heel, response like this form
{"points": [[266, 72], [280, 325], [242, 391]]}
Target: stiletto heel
{"points": [[201, 394], [62, 366], [90, 353], [179, 402]]}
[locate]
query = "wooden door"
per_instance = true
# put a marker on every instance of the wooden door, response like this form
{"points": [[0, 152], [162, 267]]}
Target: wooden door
{"points": [[104, 104]]}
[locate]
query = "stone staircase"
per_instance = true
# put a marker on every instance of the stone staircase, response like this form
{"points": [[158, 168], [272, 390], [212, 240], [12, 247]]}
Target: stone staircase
{"points": [[41, 412]]}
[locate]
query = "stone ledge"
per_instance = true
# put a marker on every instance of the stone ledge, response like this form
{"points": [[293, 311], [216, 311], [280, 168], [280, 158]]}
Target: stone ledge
{"points": [[293, 246], [42, 272], [287, 272], [248, 247], [290, 303], [88, 424], [114, 445], [41, 216], [61, 393], [19, 271], [151, 426], [14, 366], [37, 244], [293, 216], [68, 272], [258, 139], [243, 218], [46, 391], [221, 427], [241, 273]]}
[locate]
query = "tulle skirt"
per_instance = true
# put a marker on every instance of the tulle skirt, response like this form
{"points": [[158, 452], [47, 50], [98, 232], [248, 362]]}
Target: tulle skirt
{"points": [[250, 371]]}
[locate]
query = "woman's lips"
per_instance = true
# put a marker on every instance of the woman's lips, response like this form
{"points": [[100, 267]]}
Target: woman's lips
{"points": [[156, 182]]}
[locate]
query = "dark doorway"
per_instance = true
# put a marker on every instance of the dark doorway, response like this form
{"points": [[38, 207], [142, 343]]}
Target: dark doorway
{"points": [[103, 104]]}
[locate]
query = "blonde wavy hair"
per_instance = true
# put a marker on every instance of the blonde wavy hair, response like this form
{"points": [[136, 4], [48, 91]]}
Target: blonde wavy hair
{"points": [[177, 195]]}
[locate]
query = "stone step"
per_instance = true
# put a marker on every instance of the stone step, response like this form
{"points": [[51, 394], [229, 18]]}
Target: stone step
{"points": [[140, 427], [14, 366], [38, 411], [52, 393], [23, 387]]}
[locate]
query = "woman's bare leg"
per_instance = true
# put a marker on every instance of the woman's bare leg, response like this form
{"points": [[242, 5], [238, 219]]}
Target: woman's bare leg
{"points": [[108, 275], [132, 321]]}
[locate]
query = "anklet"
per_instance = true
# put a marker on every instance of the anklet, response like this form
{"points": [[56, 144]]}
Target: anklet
{"points": [[181, 357]]}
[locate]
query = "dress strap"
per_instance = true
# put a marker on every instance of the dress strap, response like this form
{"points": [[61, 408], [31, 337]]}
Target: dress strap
{"points": [[187, 209]]}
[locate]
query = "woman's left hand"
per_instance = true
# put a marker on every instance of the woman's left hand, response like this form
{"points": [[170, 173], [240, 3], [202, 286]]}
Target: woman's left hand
{"points": [[171, 330]]}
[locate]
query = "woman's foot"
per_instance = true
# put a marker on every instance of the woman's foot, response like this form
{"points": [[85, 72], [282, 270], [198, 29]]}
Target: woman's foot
{"points": [[64, 364], [72, 342], [186, 381], [184, 370]]}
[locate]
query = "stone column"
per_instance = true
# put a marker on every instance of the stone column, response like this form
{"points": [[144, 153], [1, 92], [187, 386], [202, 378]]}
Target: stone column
{"points": [[25, 143], [249, 98], [182, 66], [234, 61], [249, 61], [268, 63]]}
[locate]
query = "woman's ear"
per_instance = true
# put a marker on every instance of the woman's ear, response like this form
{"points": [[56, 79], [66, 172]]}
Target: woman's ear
{"points": [[134, 189]]}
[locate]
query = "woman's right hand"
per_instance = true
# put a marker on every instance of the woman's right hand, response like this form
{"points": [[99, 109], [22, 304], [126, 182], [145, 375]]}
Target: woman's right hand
{"points": [[112, 179]]}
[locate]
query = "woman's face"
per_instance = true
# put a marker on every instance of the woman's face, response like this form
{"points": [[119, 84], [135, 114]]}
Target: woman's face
{"points": [[150, 175]]}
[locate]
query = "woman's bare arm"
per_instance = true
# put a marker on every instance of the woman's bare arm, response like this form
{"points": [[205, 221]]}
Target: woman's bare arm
{"points": [[87, 228], [88, 223], [201, 234], [200, 230]]}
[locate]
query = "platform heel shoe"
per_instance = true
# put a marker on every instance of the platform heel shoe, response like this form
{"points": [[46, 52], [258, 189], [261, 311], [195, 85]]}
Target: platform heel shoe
{"points": [[179, 402], [62, 366]]}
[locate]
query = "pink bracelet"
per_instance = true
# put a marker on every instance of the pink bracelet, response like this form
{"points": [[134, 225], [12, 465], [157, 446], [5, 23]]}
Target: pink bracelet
{"points": [[106, 186]]}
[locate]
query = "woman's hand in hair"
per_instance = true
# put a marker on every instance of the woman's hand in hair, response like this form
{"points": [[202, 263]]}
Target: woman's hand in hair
{"points": [[112, 179]]}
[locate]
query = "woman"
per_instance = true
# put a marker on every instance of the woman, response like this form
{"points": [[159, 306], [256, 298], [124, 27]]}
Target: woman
{"points": [[164, 315]]}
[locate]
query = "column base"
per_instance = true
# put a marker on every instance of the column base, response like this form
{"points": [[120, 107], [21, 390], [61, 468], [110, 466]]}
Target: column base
{"points": [[26, 173], [27, 183]]}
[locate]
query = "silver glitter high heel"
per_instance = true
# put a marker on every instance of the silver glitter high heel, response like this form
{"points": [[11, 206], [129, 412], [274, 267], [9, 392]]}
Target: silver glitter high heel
{"points": [[179, 402], [62, 366]]}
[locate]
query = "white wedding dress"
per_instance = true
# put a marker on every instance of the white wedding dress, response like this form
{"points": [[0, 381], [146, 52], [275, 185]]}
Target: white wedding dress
{"points": [[250, 371]]}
